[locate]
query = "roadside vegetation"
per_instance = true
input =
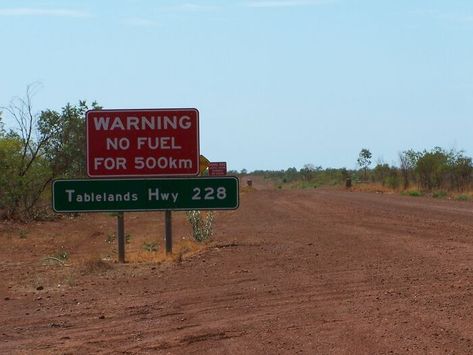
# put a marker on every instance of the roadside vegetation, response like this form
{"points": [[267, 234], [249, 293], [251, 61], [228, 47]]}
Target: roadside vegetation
{"points": [[438, 172], [43, 146]]}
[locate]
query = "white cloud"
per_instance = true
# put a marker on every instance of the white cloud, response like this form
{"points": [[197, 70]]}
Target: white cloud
{"points": [[139, 22], [28, 11], [285, 3], [451, 17], [195, 7], [456, 18]]}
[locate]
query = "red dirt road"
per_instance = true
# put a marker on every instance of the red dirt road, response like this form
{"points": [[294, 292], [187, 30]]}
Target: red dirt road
{"points": [[310, 271]]}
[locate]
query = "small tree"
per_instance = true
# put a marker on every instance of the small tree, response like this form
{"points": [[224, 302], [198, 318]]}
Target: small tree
{"points": [[381, 172], [24, 168], [432, 168], [408, 162], [65, 148], [364, 160], [461, 171], [307, 172], [2, 129], [289, 175], [42, 147]]}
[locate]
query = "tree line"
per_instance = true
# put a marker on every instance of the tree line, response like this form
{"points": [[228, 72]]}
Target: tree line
{"points": [[426, 170]]}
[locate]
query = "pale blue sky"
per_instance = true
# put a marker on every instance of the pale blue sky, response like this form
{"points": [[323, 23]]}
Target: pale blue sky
{"points": [[278, 83]]}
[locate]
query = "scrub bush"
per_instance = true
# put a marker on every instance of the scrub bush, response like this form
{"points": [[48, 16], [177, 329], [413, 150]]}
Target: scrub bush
{"points": [[202, 228]]}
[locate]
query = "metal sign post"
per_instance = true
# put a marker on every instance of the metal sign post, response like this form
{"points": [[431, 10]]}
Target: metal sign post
{"points": [[168, 231], [121, 236]]}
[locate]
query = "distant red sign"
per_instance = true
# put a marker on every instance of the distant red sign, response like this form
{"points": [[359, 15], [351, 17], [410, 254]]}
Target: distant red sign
{"points": [[218, 169], [157, 142]]}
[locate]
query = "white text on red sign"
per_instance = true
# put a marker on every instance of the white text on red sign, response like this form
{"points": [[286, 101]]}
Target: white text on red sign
{"points": [[155, 142], [217, 168]]}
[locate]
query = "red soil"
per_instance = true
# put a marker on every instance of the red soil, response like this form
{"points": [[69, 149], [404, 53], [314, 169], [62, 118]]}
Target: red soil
{"points": [[309, 271]]}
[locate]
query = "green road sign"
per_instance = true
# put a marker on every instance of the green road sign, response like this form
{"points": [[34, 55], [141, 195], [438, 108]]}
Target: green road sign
{"points": [[100, 195]]}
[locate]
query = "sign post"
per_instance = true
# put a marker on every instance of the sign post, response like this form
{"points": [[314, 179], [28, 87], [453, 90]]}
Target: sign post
{"points": [[168, 231], [121, 236]]}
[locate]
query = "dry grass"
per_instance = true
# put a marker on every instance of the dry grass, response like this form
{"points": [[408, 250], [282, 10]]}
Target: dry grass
{"points": [[94, 265], [244, 189], [414, 191], [372, 187], [462, 196], [182, 249]]}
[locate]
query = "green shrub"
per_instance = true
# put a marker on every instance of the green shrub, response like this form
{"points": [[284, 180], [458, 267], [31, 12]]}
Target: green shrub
{"points": [[415, 193], [110, 238], [62, 255], [462, 198], [393, 181], [202, 228], [439, 194], [150, 246]]}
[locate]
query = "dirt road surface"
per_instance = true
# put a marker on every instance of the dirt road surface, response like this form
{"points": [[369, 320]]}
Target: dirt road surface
{"points": [[291, 271]]}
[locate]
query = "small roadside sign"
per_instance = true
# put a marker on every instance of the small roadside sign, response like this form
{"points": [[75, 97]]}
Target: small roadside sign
{"points": [[204, 164], [217, 169], [101, 195]]}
